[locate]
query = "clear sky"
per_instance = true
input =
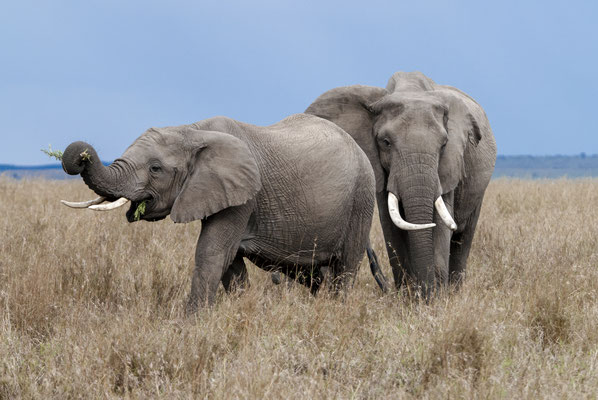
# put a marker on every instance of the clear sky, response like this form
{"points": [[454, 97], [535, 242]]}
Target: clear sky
{"points": [[105, 71]]}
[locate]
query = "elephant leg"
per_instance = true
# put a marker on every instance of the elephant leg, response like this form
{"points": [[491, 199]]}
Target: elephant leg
{"points": [[296, 273], [314, 278], [460, 247], [279, 277], [235, 277], [326, 276], [343, 274], [442, 244], [216, 248], [345, 265], [276, 277], [329, 277], [396, 242]]}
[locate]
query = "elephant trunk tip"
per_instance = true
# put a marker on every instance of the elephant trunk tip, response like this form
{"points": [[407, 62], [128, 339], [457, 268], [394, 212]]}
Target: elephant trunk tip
{"points": [[76, 156]]}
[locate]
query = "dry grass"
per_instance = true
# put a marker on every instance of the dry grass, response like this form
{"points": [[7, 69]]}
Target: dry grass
{"points": [[92, 307]]}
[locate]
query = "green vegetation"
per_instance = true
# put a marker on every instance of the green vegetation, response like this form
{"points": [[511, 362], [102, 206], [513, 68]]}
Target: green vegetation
{"points": [[85, 156], [57, 154], [139, 211]]}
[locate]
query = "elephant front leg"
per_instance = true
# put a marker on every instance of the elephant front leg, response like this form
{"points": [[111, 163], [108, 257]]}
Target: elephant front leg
{"points": [[460, 247], [396, 242], [217, 246], [442, 244], [204, 284]]}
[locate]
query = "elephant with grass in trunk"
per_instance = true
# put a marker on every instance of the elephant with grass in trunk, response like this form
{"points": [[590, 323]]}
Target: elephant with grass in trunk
{"points": [[433, 153], [296, 196]]}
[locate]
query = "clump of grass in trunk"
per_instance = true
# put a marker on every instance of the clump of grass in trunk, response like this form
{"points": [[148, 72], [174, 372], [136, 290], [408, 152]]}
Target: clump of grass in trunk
{"points": [[139, 211], [57, 154], [85, 156]]}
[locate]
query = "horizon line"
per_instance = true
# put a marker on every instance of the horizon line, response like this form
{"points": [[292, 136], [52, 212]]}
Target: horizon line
{"points": [[59, 165]]}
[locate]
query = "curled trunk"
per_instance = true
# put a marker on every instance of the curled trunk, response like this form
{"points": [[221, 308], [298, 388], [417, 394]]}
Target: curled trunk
{"points": [[107, 181]]}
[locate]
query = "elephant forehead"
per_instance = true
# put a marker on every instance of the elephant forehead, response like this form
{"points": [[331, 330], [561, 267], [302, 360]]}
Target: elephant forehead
{"points": [[417, 100], [413, 116], [162, 143]]}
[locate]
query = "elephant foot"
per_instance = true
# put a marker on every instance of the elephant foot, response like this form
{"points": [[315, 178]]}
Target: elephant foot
{"points": [[191, 308], [195, 302], [276, 277]]}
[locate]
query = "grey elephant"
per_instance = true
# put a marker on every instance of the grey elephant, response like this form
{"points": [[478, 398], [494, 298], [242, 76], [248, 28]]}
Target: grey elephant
{"points": [[296, 196], [433, 153]]}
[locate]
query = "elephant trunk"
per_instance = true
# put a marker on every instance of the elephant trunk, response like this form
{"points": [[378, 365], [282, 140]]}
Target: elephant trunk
{"points": [[109, 182], [416, 184]]}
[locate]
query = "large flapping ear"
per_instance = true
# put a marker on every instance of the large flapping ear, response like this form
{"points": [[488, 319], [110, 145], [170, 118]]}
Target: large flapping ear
{"points": [[222, 173], [463, 131], [348, 107]]}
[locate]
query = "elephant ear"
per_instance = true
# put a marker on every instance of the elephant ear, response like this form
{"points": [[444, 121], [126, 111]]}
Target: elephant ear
{"points": [[349, 108], [463, 131], [222, 173]]}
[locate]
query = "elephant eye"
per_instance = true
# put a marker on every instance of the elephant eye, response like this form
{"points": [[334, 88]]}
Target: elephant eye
{"points": [[155, 168], [386, 142]]}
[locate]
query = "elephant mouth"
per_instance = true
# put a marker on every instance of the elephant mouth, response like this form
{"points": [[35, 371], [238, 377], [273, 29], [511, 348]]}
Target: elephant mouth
{"points": [[135, 213]]}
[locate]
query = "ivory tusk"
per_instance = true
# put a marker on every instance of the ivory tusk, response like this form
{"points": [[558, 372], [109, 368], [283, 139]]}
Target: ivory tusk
{"points": [[395, 215], [83, 204], [444, 214], [110, 206]]}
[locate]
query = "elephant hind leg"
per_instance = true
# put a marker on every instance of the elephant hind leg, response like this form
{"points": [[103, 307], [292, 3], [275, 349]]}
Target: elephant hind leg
{"points": [[309, 277], [460, 247], [328, 276], [235, 277], [345, 266], [354, 242]]}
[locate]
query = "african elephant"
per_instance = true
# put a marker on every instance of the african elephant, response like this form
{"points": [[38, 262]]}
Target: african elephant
{"points": [[296, 196], [433, 153]]}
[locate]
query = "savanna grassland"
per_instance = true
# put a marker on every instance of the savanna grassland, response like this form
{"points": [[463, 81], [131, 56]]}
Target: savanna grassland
{"points": [[92, 307]]}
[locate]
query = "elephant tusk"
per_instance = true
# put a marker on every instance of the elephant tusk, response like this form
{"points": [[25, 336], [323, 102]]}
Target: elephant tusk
{"points": [[444, 214], [83, 204], [395, 215], [110, 206]]}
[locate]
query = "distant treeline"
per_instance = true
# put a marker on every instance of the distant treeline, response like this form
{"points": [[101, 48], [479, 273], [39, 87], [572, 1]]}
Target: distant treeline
{"points": [[536, 167], [525, 167], [47, 171]]}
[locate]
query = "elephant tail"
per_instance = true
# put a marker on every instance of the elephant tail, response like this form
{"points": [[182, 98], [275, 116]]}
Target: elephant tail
{"points": [[376, 271]]}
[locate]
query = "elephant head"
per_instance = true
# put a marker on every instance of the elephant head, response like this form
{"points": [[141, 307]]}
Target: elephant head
{"points": [[415, 134], [182, 171]]}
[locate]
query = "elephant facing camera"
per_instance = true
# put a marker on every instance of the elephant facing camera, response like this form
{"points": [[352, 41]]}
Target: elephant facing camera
{"points": [[433, 154]]}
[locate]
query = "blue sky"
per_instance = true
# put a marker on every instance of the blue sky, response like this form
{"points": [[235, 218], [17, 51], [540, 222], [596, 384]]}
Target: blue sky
{"points": [[105, 71]]}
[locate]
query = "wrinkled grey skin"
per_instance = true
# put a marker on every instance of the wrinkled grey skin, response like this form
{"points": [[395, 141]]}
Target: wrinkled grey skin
{"points": [[296, 196], [423, 140]]}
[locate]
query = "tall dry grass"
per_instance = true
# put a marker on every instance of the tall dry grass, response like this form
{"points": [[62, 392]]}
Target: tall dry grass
{"points": [[92, 307]]}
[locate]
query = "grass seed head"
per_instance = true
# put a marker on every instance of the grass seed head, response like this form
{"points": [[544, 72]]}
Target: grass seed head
{"points": [[57, 154], [85, 156]]}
